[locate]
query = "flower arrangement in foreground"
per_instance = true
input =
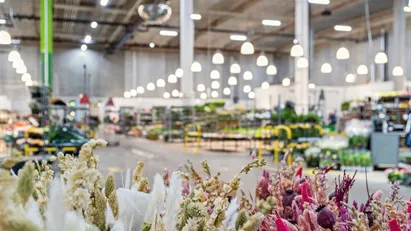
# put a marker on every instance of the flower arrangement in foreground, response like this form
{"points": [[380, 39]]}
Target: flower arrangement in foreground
{"points": [[76, 200]]}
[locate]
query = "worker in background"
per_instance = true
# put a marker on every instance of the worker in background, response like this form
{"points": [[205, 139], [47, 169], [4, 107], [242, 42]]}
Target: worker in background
{"points": [[332, 121]]}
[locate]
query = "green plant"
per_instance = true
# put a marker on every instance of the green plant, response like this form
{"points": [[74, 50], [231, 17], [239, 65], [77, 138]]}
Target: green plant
{"points": [[345, 106]]}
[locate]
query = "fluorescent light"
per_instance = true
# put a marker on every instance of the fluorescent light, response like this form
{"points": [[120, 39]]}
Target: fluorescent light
{"points": [[83, 47], [94, 24], [268, 22], [322, 2], [152, 45], [195, 16], [2, 21], [342, 28], [168, 33], [407, 9], [238, 37], [87, 39]]}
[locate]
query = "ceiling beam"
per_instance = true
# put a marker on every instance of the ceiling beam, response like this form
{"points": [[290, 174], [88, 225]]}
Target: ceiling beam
{"points": [[89, 8], [126, 19], [76, 20]]}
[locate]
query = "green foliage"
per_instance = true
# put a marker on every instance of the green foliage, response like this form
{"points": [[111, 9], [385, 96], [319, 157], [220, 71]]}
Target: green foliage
{"points": [[358, 141], [345, 106]]}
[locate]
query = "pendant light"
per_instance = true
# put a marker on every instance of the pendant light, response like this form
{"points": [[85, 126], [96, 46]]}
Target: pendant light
{"points": [[21, 70], [172, 78], [302, 62], [297, 50], [25, 77], [343, 53], [133, 92], [232, 81], [397, 71], [311, 85], [262, 60], [271, 70], [179, 72], [175, 93], [326, 68], [5, 38], [203, 95], [215, 85], [350, 78], [362, 70], [214, 74], [18, 63], [181, 95], [246, 88], [251, 95], [140, 90], [381, 58], [161, 83], [248, 75], [29, 83], [166, 95], [151, 86], [247, 48], [286, 82], [218, 58], [13, 56], [214, 94], [126, 94], [265, 85], [200, 87], [227, 91], [235, 68], [196, 67]]}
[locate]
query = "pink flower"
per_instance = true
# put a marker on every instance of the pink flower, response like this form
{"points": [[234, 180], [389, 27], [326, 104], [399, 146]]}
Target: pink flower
{"points": [[306, 192], [394, 226], [377, 195], [299, 172], [263, 186], [281, 225]]}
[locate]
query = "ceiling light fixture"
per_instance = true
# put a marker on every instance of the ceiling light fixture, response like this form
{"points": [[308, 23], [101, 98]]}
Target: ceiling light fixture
{"points": [[302, 62], [18, 63], [175, 93], [344, 28], [170, 33], [251, 95], [262, 60], [154, 13], [21, 70], [271, 70], [397, 71], [161, 83], [407, 9], [172, 78], [286, 82], [214, 94], [152, 45], [104, 2], [181, 95], [195, 16], [1, 1], [87, 39], [218, 58], [25, 77], [248, 75], [166, 95], [246, 88], [214, 74], [235, 68], [311, 85], [296, 50], [343, 53], [140, 90], [238, 37], [5, 38], [127, 94], [215, 85], [83, 47], [227, 91], [13, 56], [2, 21], [381, 58], [200, 87], [94, 24], [232, 81], [247, 48], [196, 67], [203, 95], [151, 86], [321, 2], [265, 85], [133, 92], [362, 70], [179, 72], [326, 68], [29, 83], [268, 22], [350, 78]]}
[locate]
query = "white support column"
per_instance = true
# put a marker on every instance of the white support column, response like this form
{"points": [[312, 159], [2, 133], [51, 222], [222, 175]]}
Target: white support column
{"points": [[302, 25], [398, 58], [186, 47]]}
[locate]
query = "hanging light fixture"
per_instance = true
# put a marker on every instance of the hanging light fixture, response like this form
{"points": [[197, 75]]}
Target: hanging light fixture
{"points": [[302, 62], [297, 50], [179, 72], [350, 78], [232, 81], [18, 63], [196, 67], [286, 82], [13, 56], [214, 94], [161, 83], [381, 58], [251, 95], [151, 86], [247, 48], [262, 60], [362, 70], [181, 95], [200, 87], [397, 71], [218, 58], [172, 78], [166, 95], [248, 75], [127, 94], [21, 70], [175, 93], [265, 85], [235, 68], [326, 68], [271, 70], [311, 85], [214, 74], [215, 85], [226, 91], [343, 53], [203, 95], [25, 77], [5, 38], [246, 88], [140, 90], [29, 83], [133, 92]]}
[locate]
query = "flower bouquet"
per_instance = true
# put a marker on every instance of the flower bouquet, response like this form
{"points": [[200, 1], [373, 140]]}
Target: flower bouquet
{"points": [[75, 199]]}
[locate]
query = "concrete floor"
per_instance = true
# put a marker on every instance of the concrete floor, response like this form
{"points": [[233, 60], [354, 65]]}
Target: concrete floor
{"points": [[158, 155]]}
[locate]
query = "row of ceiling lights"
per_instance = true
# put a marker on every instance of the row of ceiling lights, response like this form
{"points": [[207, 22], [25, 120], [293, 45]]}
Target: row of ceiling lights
{"points": [[18, 63]]}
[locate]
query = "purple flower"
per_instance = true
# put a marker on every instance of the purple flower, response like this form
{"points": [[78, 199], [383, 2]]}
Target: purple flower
{"points": [[326, 218]]}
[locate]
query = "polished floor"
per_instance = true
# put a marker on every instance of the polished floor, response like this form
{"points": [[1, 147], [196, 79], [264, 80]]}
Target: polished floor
{"points": [[158, 155]]}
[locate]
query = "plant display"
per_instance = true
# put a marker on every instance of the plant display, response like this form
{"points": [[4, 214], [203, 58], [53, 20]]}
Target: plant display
{"points": [[358, 141], [345, 106], [188, 200], [401, 175]]}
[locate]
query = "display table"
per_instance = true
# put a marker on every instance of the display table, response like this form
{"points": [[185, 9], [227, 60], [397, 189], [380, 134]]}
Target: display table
{"points": [[385, 149]]}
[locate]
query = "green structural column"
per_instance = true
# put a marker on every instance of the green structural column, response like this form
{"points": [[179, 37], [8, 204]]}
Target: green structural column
{"points": [[46, 42]]}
